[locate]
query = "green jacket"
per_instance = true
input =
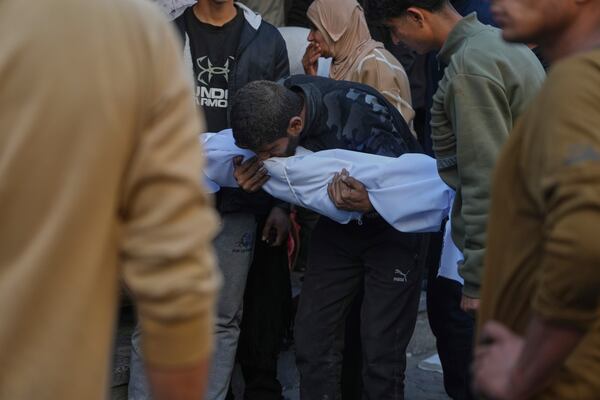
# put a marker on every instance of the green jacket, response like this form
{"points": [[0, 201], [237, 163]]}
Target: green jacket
{"points": [[486, 86]]}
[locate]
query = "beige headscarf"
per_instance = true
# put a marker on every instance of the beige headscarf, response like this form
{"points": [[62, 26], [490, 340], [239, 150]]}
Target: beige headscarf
{"points": [[344, 27]]}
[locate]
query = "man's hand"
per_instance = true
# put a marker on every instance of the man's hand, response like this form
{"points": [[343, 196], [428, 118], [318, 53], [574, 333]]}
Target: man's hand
{"points": [[469, 304], [349, 194], [310, 60], [495, 360], [276, 228], [251, 175]]}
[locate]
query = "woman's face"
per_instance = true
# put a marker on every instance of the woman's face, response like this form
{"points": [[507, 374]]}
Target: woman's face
{"points": [[317, 40]]}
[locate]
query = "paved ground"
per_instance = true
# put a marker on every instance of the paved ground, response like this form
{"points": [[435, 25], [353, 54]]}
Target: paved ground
{"points": [[420, 385]]}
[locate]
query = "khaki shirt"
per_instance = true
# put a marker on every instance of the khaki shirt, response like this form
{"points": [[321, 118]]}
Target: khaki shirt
{"points": [[99, 172], [543, 253]]}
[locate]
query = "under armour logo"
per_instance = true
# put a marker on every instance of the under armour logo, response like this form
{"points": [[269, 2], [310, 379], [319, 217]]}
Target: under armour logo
{"points": [[245, 243], [212, 70], [400, 276]]}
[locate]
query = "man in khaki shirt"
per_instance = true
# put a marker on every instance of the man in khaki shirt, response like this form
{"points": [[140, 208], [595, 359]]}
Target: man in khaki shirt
{"points": [[99, 171], [539, 320]]}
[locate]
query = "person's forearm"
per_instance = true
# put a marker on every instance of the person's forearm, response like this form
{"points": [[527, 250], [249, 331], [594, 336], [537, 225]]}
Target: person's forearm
{"points": [[547, 345]]}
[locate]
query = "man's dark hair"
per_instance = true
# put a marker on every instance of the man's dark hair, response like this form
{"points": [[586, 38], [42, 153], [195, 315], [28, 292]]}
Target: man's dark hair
{"points": [[261, 112], [380, 10]]}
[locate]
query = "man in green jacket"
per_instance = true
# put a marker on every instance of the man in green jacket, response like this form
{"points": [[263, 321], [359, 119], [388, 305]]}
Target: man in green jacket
{"points": [[486, 86]]}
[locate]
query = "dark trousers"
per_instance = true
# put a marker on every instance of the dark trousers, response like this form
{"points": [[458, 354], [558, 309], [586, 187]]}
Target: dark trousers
{"points": [[344, 258], [452, 327], [266, 319]]}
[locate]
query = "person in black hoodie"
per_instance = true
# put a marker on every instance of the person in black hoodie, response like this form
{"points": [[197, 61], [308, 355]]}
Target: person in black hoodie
{"points": [[225, 46], [321, 114]]}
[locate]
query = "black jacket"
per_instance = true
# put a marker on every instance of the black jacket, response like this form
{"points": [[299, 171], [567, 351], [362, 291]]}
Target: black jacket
{"points": [[261, 55], [351, 116]]}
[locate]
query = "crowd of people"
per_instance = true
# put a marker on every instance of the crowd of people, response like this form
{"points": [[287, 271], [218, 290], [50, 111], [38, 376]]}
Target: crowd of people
{"points": [[104, 109]]}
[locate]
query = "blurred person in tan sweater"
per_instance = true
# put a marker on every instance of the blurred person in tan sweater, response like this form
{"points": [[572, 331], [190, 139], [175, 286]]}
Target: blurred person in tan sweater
{"points": [[539, 321], [99, 172]]}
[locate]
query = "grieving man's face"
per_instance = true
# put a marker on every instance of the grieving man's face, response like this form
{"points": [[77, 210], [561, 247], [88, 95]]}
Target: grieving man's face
{"points": [[529, 21], [283, 147]]}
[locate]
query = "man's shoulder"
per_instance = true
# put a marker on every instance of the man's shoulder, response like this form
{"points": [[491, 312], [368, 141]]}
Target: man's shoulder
{"points": [[586, 64], [484, 47], [331, 87], [574, 81], [179, 22], [484, 42], [303, 80], [487, 55], [257, 23], [270, 33]]}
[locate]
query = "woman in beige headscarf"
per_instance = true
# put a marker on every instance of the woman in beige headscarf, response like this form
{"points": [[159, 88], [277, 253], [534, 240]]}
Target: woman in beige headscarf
{"points": [[339, 30]]}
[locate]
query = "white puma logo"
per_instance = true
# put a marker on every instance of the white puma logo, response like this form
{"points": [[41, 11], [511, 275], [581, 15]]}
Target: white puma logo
{"points": [[401, 276]]}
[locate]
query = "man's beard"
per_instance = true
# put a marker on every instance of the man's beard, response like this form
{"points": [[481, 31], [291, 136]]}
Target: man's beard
{"points": [[292, 146]]}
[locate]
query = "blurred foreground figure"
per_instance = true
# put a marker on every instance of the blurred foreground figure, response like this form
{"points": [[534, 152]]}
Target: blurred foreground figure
{"points": [[99, 170], [539, 322]]}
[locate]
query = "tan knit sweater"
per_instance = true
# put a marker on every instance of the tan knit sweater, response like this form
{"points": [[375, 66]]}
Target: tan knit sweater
{"points": [[99, 171]]}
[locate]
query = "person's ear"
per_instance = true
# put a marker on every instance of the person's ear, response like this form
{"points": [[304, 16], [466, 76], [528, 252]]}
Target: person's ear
{"points": [[295, 126], [416, 15]]}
